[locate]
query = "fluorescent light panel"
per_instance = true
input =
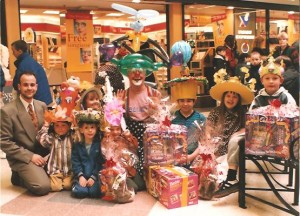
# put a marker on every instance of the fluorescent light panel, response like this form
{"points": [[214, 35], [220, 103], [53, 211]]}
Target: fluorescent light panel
{"points": [[23, 11], [51, 12], [115, 14]]}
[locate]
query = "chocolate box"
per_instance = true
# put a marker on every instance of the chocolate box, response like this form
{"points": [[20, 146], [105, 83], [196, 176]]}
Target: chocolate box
{"points": [[270, 135], [165, 145], [174, 186]]}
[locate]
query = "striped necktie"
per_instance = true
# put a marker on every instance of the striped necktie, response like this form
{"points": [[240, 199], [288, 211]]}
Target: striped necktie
{"points": [[33, 116]]}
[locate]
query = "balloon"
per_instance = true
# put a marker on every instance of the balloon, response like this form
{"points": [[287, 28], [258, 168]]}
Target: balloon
{"points": [[177, 59], [185, 48], [136, 60], [108, 51]]}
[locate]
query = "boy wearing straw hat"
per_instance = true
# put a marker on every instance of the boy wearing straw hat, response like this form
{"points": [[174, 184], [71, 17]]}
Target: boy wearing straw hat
{"points": [[185, 93]]}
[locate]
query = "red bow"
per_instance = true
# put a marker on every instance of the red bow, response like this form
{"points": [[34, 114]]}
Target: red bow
{"points": [[276, 103], [110, 163], [206, 157], [166, 122]]}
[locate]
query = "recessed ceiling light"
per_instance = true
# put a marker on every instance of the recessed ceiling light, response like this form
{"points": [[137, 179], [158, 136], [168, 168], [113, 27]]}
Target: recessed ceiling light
{"points": [[51, 12], [291, 12], [230, 7], [92, 12], [115, 14], [62, 15], [23, 11], [136, 1]]}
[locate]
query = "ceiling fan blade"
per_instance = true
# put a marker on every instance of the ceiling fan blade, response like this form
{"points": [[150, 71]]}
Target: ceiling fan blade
{"points": [[147, 13], [124, 9]]}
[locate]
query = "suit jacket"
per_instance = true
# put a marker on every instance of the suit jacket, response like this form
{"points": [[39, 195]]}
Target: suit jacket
{"points": [[18, 134]]}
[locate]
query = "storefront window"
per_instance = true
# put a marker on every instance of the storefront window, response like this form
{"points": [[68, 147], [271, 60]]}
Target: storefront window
{"points": [[283, 21]]}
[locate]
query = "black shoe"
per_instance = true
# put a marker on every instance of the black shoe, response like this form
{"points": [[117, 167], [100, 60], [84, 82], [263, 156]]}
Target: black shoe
{"points": [[15, 178], [226, 188]]}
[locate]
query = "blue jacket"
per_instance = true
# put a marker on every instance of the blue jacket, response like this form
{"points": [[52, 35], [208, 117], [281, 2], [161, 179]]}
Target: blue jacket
{"points": [[86, 164], [26, 63]]}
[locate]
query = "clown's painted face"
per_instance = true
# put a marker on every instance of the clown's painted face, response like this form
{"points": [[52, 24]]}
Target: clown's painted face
{"points": [[136, 76]]}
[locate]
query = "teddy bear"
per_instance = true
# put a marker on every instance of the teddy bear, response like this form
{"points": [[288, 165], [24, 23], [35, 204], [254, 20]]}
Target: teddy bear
{"points": [[70, 94]]}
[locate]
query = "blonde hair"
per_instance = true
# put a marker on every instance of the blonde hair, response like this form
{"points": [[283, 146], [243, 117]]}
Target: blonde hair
{"points": [[283, 35]]}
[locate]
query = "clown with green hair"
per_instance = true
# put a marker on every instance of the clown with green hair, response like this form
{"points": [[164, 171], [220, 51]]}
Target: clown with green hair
{"points": [[140, 101]]}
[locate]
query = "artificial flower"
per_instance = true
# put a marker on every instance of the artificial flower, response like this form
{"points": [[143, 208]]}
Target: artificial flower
{"points": [[114, 112]]}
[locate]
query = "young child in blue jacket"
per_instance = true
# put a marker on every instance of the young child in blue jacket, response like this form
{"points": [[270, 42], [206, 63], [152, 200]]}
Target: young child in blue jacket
{"points": [[86, 158]]}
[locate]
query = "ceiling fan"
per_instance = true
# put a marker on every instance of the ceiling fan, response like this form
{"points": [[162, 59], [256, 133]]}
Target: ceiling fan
{"points": [[157, 2]]}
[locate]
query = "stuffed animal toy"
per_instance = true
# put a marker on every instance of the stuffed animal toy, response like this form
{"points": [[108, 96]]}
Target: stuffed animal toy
{"points": [[70, 94]]}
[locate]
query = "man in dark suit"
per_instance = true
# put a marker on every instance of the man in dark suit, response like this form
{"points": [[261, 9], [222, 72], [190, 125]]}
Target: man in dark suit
{"points": [[18, 137]]}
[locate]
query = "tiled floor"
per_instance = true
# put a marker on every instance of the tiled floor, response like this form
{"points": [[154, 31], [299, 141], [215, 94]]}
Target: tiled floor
{"points": [[16, 201]]}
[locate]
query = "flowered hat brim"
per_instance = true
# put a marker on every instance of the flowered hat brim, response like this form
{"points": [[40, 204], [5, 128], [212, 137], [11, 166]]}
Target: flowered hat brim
{"points": [[217, 91]]}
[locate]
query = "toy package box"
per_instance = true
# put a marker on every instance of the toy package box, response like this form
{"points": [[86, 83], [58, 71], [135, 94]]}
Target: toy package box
{"points": [[165, 145], [174, 186], [271, 135]]}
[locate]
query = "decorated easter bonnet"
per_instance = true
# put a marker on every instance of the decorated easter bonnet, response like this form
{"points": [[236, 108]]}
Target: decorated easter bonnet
{"points": [[225, 83], [138, 61], [271, 68], [57, 115], [113, 112], [87, 116], [185, 87], [84, 94]]}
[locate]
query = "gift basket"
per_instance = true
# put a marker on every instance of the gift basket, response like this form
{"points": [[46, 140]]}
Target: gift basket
{"points": [[113, 183], [164, 143], [270, 130], [205, 164]]}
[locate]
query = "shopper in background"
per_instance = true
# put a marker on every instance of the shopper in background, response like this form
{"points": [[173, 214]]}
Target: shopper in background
{"points": [[24, 63], [243, 61], [219, 61], [285, 49], [255, 60], [231, 53], [290, 77], [18, 138], [295, 55]]}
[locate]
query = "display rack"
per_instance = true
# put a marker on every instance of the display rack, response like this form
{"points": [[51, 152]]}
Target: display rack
{"points": [[288, 167]]}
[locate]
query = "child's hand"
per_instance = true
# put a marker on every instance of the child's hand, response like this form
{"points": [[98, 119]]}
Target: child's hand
{"points": [[82, 181], [121, 95], [90, 182], [153, 102], [47, 117]]}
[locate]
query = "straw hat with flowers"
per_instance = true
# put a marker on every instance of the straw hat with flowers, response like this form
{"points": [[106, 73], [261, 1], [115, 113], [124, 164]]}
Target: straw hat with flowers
{"points": [[225, 83]]}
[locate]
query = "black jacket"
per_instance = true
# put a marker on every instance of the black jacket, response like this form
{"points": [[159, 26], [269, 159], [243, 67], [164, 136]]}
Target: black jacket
{"points": [[291, 82]]}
